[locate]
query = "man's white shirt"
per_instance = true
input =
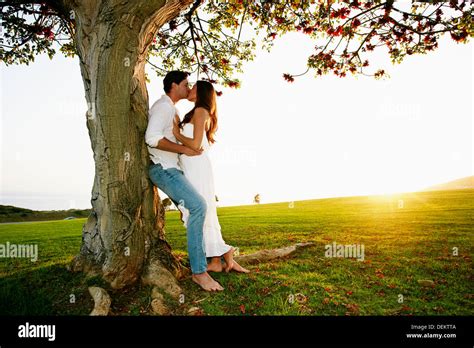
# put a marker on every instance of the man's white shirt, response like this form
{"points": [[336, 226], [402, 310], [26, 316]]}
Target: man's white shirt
{"points": [[160, 125]]}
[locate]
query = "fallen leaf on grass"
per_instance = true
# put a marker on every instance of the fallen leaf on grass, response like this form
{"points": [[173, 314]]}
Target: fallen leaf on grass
{"points": [[379, 274], [406, 308], [195, 311], [300, 298], [426, 282], [352, 307]]}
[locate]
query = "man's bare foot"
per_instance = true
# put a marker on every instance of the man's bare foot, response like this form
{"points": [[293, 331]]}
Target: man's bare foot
{"points": [[229, 259], [238, 268], [215, 265], [205, 281]]}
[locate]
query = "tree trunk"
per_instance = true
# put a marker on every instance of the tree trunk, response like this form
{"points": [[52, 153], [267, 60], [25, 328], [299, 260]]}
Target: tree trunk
{"points": [[123, 238]]}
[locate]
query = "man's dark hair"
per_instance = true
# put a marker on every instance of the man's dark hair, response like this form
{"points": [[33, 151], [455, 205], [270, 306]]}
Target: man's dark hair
{"points": [[173, 76]]}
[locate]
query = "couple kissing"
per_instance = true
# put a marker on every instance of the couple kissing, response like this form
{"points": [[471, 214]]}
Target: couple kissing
{"points": [[181, 168]]}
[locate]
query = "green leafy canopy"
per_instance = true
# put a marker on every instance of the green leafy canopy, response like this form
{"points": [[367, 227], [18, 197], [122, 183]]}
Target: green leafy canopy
{"points": [[206, 38]]}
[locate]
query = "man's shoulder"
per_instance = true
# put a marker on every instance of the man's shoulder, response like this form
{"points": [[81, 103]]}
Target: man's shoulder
{"points": [[161, 105]]}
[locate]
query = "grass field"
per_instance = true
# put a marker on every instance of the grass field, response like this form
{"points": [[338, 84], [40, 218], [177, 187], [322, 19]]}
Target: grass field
{"points": [[407, 238]]}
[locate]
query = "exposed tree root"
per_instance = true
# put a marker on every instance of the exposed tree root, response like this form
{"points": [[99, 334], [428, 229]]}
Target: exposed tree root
{"points": [[102, 301], [270, 254]]}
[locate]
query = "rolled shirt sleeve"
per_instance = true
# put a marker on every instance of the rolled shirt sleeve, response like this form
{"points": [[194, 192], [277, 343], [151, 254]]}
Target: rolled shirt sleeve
{"points": [[160, 118]]}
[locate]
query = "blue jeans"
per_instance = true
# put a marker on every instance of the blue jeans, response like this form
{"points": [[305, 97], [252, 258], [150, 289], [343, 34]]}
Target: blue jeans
{"points": [[173, 182]]}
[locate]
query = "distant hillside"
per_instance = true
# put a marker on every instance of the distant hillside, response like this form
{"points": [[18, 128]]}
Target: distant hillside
{"points": [[458, 184], [9, 213]]}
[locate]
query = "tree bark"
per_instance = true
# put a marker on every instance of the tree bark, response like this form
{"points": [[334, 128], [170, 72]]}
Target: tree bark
{"points": [[124, 236]]}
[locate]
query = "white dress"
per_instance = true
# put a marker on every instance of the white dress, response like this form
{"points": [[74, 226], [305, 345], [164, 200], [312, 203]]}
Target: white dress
{"points": [[198, 170]]}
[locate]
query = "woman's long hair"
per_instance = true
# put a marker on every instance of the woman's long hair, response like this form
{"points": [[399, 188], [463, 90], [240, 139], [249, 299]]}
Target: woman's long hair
{"points": [[205, 98]]}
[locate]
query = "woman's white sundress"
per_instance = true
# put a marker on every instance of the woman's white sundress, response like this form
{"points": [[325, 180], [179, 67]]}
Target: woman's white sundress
{"points": [[198, 170]]}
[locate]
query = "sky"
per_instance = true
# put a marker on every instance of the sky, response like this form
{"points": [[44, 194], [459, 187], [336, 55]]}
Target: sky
{"points": [[313, 138]]}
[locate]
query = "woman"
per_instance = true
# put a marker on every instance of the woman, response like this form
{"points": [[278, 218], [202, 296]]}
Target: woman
{"points": [[198, 128]]}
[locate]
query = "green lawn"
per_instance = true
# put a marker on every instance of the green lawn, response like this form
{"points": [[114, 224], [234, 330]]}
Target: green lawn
{"points": [[402, 246]]}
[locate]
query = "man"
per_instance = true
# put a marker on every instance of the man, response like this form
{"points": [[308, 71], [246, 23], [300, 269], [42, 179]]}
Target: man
{"points": [[165, 172]]}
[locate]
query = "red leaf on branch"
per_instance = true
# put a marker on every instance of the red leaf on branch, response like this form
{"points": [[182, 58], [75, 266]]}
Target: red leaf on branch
{"points": [[47, 32], [379, 73], [288, 77], [233, 84], [355, 4], [335, 32], [459, 37], [173, 25]]}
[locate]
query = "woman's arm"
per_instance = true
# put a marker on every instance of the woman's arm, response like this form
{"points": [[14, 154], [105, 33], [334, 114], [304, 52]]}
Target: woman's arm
{"points": [[200, 117]]}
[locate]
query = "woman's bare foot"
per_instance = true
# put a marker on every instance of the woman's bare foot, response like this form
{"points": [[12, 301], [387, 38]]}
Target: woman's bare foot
{"points": [[238, 268], [229, 259], [215, 265], [205, 281]]}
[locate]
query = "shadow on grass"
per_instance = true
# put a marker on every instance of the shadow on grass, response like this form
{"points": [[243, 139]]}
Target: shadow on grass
{"points": [[54, 290], [51, 290]]}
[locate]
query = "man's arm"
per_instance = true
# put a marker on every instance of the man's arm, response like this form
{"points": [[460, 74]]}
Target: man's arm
{"points": [[154, 136], [167, 145]]}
